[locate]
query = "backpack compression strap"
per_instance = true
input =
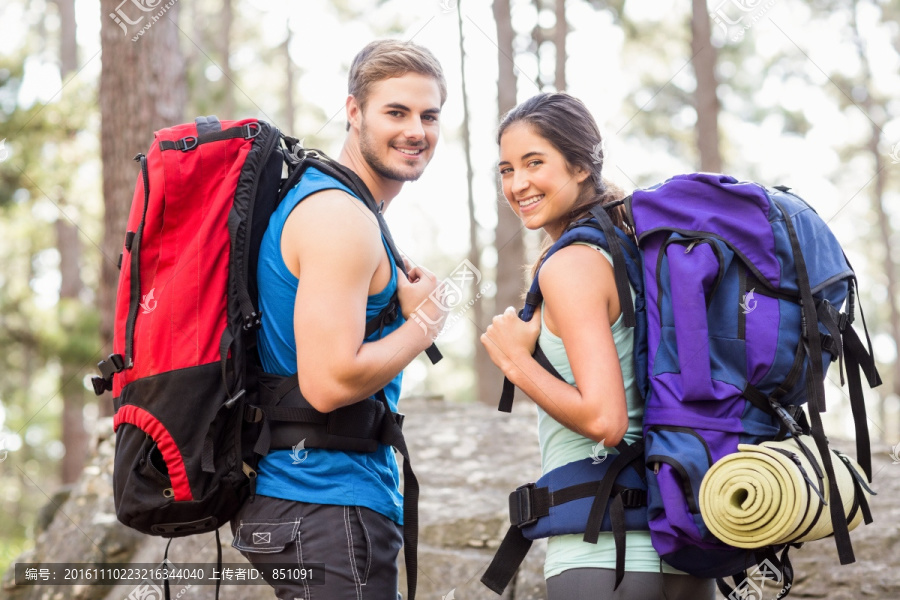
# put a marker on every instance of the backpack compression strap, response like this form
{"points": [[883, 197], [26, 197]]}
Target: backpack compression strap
{"points": [[115, 363], [815, 389]]}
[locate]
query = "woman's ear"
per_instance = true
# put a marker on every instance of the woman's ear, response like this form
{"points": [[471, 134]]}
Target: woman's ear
{"points": [[581, 174]]}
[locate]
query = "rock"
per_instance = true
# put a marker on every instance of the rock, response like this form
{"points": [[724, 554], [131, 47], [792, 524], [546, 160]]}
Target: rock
{"points": [[467, 459]]}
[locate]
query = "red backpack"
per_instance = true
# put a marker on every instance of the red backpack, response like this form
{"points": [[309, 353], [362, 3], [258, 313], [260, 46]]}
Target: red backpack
{"points": [[184, 323], [194, 410]]}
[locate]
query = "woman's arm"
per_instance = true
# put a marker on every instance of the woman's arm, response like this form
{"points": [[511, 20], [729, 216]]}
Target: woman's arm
{"points": [[580, 295]]}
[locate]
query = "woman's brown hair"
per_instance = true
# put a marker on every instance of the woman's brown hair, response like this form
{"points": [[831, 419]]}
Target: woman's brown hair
{"points": [[566, 123]]}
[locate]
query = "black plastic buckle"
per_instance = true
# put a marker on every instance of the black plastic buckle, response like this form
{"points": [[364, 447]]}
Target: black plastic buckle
{"points": [[113, 364], [101, 385], [633, 498], [398, 419], [253, 321], [251, 130], [829, 346], [253, 414], [521, 513], [393, 312], [184, 145], [843, 321], [785, 417]]}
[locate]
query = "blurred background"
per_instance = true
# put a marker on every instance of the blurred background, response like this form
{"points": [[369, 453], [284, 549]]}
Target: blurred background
{"points": [[800, 93]]}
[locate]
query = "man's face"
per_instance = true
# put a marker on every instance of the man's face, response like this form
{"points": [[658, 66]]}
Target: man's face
{"points": [[398, 129]]}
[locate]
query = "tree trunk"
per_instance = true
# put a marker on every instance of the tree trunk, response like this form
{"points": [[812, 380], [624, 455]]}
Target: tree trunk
{"points": [[142, 89], [538, 37], [227, 74], [559, 41], [888, 265], [508, 235], [485, 373], [877, 202], [68, 46], [74, 436], [706, 102], [289, 109]]}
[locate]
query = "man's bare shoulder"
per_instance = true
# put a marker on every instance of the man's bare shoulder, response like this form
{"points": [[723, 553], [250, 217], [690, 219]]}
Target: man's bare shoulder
{"points": [[328, 220]]}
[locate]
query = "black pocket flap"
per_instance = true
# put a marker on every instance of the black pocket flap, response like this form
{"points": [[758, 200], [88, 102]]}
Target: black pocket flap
{"points": [[265, 537]]}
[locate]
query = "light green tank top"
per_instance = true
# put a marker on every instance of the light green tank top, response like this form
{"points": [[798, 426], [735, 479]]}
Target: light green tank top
{"points": [[560, 445]]}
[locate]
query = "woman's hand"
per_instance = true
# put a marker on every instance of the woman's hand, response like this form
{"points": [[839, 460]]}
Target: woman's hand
{"points": [[510, 341]]}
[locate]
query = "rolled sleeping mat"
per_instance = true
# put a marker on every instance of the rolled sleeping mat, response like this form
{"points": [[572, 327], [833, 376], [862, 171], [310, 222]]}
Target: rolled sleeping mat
{"points": [[775, 493]]}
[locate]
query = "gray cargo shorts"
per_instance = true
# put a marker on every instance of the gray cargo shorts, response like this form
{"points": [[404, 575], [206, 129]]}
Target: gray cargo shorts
{"points": [[352, 550]]}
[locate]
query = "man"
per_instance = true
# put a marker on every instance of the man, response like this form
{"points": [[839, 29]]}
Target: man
{"points": [[324, 270]]}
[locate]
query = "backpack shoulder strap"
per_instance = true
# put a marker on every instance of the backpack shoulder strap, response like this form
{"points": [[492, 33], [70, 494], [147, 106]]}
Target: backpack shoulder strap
{"points": [[351, 180], [627, 269]]}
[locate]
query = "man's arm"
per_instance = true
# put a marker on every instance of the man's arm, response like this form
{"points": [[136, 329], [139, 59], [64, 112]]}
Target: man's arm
{"points": [[333, 244]]}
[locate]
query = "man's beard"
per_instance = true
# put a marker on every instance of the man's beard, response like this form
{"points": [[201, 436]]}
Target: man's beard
{"points": [[367, 148]]}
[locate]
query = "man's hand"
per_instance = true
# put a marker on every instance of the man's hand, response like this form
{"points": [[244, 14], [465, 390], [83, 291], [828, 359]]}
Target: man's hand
{"points": [[420, 301]]}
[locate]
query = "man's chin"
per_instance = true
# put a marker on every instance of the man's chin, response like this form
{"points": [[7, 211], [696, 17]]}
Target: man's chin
{"points": [[402, 174]]}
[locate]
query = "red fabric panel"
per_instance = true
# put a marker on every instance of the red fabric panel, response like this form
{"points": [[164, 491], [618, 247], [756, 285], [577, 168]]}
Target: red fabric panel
{"points": [[142, 419], [185, 249]]}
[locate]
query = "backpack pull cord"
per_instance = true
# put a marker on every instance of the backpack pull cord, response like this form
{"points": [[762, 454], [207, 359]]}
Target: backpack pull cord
{"points": [[166, 564], [815, 389], [218, 563]]}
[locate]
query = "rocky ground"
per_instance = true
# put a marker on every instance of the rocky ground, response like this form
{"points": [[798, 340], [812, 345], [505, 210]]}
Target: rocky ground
{"points": [[467, 458]]}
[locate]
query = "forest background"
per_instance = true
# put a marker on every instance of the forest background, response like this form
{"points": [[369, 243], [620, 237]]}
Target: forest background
{"points": [[805, 94]]}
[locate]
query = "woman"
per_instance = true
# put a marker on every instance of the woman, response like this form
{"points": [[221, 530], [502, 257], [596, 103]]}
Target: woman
{"points": [[550, 168]]}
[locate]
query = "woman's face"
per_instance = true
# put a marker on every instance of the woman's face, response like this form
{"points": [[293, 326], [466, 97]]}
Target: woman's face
{"points": [[538, 183]]}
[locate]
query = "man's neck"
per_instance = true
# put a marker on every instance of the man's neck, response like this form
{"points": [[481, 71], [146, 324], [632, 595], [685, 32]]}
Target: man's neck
{"points": [[382, 189]]}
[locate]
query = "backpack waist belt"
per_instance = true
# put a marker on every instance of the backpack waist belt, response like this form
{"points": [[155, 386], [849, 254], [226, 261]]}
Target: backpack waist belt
{"points": [[287, 417], [585, 496]]}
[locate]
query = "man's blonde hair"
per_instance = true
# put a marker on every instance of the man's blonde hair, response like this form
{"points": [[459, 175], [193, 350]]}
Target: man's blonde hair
{"points": [[384, 59]]}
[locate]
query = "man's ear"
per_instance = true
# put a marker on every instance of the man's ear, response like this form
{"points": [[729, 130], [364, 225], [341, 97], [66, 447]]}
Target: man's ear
{"points": [[354, 112]]}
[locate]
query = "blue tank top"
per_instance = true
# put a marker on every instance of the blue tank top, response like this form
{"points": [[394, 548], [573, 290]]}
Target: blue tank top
{"points": [[318, 475]]}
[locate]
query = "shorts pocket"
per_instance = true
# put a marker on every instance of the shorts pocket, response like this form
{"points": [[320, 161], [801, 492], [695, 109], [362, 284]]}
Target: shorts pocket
{"points": [[359, 542], [265, 537]]}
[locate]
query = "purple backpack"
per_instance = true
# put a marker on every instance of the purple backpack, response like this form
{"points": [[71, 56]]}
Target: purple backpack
{"points": [[733, 273]]}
